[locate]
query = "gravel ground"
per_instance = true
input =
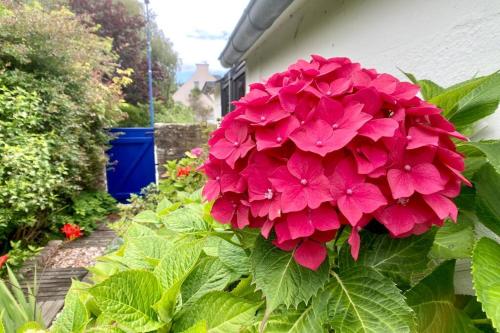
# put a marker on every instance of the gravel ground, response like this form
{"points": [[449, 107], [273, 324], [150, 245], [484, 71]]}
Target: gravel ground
{"points": [[75, 257]]}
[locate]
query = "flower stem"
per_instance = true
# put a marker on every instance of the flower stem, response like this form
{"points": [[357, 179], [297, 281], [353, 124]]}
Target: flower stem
{"points": [[484, 321]]}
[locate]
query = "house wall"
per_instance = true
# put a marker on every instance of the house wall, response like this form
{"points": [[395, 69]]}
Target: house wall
{"points": [[199, 77], [446, 41]]}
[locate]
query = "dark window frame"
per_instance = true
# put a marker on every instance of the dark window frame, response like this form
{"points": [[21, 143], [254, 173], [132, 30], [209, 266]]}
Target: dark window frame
{"points": [[233, 87]]}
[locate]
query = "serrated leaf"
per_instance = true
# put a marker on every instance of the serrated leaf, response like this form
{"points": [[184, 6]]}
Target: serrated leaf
{"points": [[303, 320], [163, 207], [146, 251], [363, 300], [281, 279], [479, 103], [428, 88], [146, 216], [127, 297], [455, 240], [449, 98], [138, 230], [2, 328], [223, 313], [433, 299], [178, 262], [199, 327], [397, 258], [490, 149], [486, 277], [188, 219], [74, 316], [487, 183], [245, 289], [165, 307], [234, 258], [208, 275]]}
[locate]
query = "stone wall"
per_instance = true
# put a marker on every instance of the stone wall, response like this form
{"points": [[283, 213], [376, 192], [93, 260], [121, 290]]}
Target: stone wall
{"points": [[173, 140]]}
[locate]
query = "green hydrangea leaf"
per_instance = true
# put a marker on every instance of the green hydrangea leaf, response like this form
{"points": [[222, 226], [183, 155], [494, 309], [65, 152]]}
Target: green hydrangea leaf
{"points": [[74, 316], [199, 327], [486, 277], [128, 298], [455, 240], [490, 149], [433, 300], [363, 300], [311, 318], [178, 261], [146, 216], [397, 258], [234, 258], [210, 274], [187, 219], [222, 312], [487, 183], [281, 279]]}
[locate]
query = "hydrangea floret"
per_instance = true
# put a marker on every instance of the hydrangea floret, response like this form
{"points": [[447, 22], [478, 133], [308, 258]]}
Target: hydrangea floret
{"points": [[328, 144]]}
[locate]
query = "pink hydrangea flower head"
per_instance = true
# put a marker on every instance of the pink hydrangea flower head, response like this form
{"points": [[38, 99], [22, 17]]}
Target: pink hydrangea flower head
{"points": [[328, 143]]}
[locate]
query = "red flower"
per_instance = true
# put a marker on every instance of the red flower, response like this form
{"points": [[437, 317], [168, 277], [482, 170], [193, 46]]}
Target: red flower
{"points": [[183, 171], [3, 260], [71, 231], [327, 143]]}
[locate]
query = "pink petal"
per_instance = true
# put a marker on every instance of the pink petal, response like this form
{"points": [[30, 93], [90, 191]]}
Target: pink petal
{"points": [[294, 199], [370, 99], [270, 137], [318, 191], [282, 179], [222, 149], [354, 240], [369, 197], [242, 216], [310, 254], [401, 183], [350, 208], [377, 128], [325, 218], [426, 178], [442, 206], [369, 158], [305, 165], [300, 224], [419, 137], [223, 210], [211, 190], [266, 228]]}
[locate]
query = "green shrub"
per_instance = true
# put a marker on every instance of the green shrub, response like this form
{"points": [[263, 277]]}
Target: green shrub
{"points": [[58, 93], [138, 115]]}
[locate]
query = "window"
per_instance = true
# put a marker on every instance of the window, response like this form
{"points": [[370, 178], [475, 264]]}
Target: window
{"points": [[233, 87]]}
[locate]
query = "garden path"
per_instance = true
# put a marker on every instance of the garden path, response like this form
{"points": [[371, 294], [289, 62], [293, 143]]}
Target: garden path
{"points": [[55, 273]]}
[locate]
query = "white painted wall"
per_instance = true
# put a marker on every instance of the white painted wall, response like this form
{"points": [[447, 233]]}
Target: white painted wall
{"points": [[446, 41]]}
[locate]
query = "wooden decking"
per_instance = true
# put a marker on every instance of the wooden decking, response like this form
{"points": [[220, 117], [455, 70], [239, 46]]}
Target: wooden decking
{"points": [[54, 283]]}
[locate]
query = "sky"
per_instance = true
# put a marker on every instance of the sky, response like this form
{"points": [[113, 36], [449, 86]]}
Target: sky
{"points": [[199, 29]]}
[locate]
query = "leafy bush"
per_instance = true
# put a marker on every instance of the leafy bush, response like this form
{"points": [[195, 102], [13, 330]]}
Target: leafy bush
{"points": [[178, 270], [138, 116], [57, 95]]}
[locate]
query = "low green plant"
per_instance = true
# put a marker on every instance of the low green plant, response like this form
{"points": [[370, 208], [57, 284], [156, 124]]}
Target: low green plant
{"points": [[19, 252], [18, 310], [171, 112], [181, 177]]}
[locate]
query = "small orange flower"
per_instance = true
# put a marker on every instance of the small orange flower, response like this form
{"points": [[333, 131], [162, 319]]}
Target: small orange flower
{"points": [[3, 260], [183, 171], [71, 231]]}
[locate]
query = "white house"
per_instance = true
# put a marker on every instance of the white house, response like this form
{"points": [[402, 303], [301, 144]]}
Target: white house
{"points": [[198, 80], [446, 41]]}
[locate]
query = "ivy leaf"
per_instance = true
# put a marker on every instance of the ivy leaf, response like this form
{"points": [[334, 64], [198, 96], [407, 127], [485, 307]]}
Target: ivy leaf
{"points": [[486, 277], [178, 262], [281, 279], [363, 300], [433, 300], [208, 275], [222, 312], [187, 219], [73, 317], [455, 240], [487, 183], [127, 297], [234, 258], [302, 320], [397, 258]]}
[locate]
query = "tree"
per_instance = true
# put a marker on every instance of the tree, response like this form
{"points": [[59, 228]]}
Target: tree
{"points": [[124, 22]]}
